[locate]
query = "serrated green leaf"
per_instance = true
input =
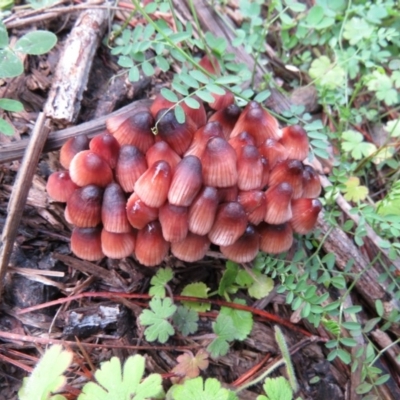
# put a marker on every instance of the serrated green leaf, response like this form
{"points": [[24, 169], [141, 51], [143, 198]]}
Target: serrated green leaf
{"points": [[6, 128], [36, 42], [122, 385], [197, 389], [47, 377], [327, 74], [393, 127], [10, 64], [11, 105], [354, 191], [228, 278], [185, 320], [278, 389], [159, 328], [225, 330], [242, 320], [261, 287], [198, 289], [159, 280]]}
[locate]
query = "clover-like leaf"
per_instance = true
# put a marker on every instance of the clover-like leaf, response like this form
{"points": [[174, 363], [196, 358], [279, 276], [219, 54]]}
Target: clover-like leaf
{"points": [[261, 286], [197, 389], [227, 280], [354, 191], [159, 328], [242, 320], [159, 280], [36, 42], [185, 320], [197, 289], [353, 142], [276, 389], [326, 73], [189, 365], [126, 384], [225, 330], [47, 377]]}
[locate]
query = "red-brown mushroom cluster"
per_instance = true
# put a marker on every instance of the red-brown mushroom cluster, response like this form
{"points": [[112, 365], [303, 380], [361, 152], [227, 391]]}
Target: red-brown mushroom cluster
{"points": [[235, 180]]}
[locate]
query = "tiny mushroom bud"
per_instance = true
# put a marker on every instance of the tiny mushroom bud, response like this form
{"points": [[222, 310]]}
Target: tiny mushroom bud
{"points": [[178, 136], [230, 223], [219, 164], [241, 140], [197, 115], [257, 122], [72, 147], [245, 248], [117, 245], [159, 103], [131, 165], [290, 171], [174, 222], [153, 186], [251, 199], [186, 181], [151, 247], [107, 147], [311, 183], [227, 117], [294, 139], [192, 248], [162, 151], [139, 214], [113, 212], [250, 168], [60, 186], [305, 214], [201, 138], [273, 151], [134, 129], [86, 243], [275, 239], [84, 206], [278, 199], [88, 168], [202, 211], [222, 101]]}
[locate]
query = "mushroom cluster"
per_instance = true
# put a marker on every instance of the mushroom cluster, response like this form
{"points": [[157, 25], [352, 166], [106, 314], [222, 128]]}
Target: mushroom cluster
{"points": [[234, 179]]}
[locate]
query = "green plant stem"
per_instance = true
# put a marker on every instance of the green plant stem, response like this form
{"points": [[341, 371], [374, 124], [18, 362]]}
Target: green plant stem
{"points": [[280, 339], [264, 375]]}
